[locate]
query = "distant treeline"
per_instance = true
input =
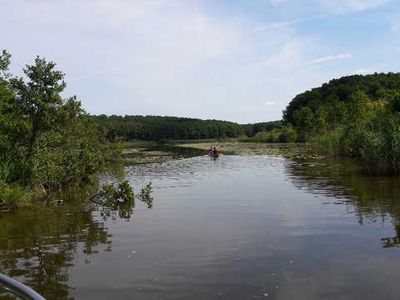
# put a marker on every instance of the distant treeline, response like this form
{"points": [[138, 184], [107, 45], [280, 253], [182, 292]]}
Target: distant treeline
{"points": [[159, 128], [251, 130]]}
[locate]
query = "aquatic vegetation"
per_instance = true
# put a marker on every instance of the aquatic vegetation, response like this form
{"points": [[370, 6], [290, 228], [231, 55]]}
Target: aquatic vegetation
{"points": [[121, 192], [145, 195], [119, 198], [11, 196], [288, 150]]}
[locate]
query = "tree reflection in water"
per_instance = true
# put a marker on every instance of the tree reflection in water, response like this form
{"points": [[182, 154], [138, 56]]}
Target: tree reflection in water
{"points": [[38, 245], [371, 198]]}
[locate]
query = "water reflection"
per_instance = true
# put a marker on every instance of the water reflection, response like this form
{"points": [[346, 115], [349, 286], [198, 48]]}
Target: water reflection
{"points": [[371, 198], [239, 227], [37, 246], [122, 210]]}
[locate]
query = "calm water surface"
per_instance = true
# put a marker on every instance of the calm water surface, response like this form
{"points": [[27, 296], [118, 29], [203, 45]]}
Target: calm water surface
{"points": [[239, 227]]}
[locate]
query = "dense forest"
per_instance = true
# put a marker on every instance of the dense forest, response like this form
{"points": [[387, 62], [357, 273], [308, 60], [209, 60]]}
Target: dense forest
{"points": [[357, 116], [157, 128]]}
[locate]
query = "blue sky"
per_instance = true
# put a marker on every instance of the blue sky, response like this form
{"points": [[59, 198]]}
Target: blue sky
{"points": [[240, 60]]}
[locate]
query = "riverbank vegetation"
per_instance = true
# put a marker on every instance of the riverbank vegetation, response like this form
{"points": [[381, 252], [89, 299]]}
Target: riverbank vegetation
{"points": [[47, 142], [285, 133], [356, 116]]}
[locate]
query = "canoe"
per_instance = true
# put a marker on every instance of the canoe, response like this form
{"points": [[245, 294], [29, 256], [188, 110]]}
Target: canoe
{"points": [[214, 155]]}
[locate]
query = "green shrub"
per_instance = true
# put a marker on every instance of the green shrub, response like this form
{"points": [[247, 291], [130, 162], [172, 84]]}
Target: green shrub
{"points": [[121, 192], [12, 196]]}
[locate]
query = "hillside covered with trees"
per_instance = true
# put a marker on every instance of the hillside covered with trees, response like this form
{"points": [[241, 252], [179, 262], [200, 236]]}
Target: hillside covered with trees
{"points": [[357, 116]]}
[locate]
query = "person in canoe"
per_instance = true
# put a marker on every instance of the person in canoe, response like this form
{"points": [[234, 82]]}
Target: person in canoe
{"points": [[213, 151]]}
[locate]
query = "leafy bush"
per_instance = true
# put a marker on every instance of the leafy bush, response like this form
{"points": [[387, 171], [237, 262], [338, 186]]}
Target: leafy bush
{"points": [[286, 134], [145, 195], [12, 196], [121, 192]]}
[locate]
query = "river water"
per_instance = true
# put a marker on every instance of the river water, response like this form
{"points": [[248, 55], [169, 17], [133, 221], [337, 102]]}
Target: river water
{"points": [[236, 227]]}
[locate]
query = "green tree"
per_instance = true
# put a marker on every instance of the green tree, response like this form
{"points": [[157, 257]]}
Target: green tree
{"points": [[47, 143], [39, 101]]}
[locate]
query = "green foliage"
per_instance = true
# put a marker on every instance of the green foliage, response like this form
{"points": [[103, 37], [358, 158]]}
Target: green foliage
{"points": [[252, 129], [332, 141], [12, 196], [145, 195], [121, 192], [285, 134], [155, 128], [125, 191], [396, 104], [305, 120], [337, 96], [4, 64], [62, 160], [47, 143], [357, 116]]}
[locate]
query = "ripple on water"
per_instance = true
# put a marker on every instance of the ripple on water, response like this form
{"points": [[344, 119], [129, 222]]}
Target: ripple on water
{"points": [[186, 172]]}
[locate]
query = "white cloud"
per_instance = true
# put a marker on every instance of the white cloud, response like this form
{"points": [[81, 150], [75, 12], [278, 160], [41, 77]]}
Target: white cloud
{"points": [[352, 5], [326, 8], [327, 58], [170, 57], [365, 71], [278, 25]]}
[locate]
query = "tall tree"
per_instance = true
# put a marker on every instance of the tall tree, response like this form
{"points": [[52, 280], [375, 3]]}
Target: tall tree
{"points": [[39, 101]]}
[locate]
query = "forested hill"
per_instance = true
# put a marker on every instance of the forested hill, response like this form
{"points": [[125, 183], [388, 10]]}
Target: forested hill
{"points": [[330, 98], [163, 128], [357, 116]]}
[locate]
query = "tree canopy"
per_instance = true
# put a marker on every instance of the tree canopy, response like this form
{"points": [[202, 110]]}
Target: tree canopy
{"points": [[355, 115], [159, 128]]}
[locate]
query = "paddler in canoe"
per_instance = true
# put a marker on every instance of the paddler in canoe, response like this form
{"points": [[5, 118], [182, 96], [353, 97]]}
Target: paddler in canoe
{"points": [[214, 152]]}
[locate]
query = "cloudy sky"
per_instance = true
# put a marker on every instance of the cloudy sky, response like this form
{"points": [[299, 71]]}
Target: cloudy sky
{"points": [[239, 60]]}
